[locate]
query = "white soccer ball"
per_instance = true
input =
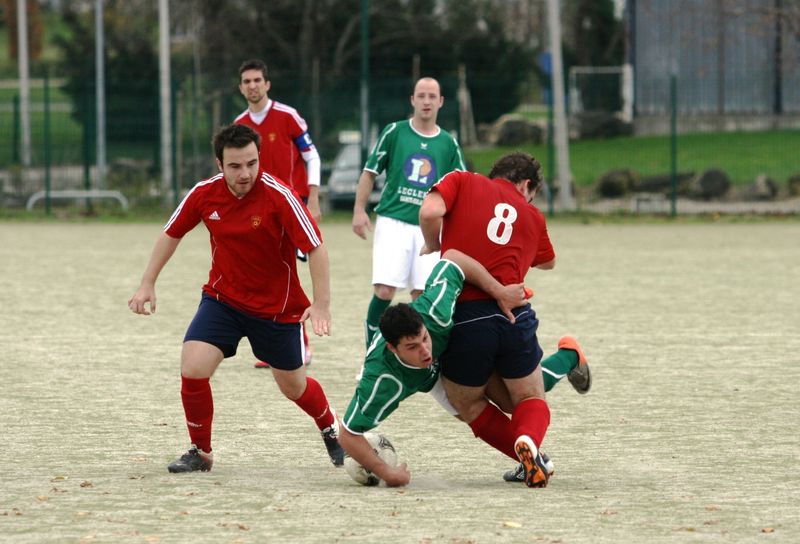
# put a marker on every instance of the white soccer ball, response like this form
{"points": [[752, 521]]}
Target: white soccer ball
{"points": [[381, 445]]}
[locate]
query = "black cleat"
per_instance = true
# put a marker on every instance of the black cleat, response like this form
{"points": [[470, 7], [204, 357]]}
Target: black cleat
{"points": [[330, 436], [518, 474], [191, 461], [535, 471], [581, 376]]}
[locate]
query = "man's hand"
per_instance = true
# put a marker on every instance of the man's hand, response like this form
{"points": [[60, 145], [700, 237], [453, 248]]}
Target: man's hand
{"points": [[320, 315], [511, 296], [146, 293], [427, 250], [394, 476], [361, 223], [314, 209]]}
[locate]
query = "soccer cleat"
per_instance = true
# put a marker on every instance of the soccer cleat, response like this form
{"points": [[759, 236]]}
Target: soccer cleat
{"points": [[261, 364], [518, 474], [535, 470], [330, 435], [581, 376], [191, 461]]}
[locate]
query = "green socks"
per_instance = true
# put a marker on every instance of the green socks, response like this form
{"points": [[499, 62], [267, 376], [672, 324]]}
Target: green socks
{"points": [[557, 366]]}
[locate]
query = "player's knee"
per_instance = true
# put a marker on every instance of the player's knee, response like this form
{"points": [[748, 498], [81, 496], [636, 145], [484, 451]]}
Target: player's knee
{"points": [[384, 292]]}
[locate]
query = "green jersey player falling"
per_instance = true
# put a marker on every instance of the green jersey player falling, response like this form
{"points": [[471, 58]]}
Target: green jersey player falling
{"points": [[395, 369]]}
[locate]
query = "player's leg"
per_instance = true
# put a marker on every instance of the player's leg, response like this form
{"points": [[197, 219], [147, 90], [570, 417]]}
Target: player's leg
{"points": [[212, 336], [282, 345], [392, 247], [518, 364], [421, 266]]}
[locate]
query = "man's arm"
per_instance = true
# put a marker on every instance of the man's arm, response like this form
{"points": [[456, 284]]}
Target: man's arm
{"points": [[162, 251], [320, 309], [361, 222], [549, 265], [313, 168], [430, 221], [359, 449], [507, 296]]}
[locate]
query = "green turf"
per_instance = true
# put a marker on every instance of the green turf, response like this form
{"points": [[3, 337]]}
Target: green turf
{"points": [[742, 155]]}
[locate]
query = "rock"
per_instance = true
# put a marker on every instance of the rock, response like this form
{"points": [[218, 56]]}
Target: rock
{"points": [[616, 183], [511, 130], [662, 183], [762, 188], [794, 185], [713, 183], [598, 124]]}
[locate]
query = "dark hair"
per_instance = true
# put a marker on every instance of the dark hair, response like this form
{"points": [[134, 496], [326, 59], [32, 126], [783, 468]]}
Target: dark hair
{"points": [[254, 64], [517, 166], [235, 136], [399, 321]]}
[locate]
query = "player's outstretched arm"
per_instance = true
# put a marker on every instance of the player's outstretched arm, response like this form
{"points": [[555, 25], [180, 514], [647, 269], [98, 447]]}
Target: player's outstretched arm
{"points": [[361, 222], [162, 251], [359, 449], [320, 309], [507, 296]]}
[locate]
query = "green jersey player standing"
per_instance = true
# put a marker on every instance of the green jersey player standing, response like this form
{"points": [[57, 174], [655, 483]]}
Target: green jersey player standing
{"points": [[414, 153]]}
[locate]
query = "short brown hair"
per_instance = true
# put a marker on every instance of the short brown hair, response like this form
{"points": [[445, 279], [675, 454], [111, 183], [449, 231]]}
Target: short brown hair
{"points": [[517, 166], [235, 136], [254, 64]]}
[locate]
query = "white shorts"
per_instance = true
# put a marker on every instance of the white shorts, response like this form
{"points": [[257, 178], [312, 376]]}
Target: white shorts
{"points": [[439, 394], [395, 255]]}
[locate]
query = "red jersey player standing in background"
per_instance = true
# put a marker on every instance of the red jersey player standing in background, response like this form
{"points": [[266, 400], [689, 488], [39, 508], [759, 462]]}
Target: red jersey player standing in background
{"points": [[255, 223], [287, 151], [494, 222]]}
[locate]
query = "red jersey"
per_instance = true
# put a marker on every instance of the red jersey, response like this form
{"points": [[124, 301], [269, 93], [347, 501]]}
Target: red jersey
{"points": [[284, 139], [253, 242], [489, 220]]}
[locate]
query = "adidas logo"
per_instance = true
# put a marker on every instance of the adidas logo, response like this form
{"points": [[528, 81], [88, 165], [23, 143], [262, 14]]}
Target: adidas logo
{"points": [[214, 216]]}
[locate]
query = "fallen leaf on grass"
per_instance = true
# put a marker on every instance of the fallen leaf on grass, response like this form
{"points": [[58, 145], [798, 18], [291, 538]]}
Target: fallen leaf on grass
{"points": [[152, 538], [82, 514], [59, 478], [87, 483], [712, 507], [42, 498], [512, 524], [767, 530]]}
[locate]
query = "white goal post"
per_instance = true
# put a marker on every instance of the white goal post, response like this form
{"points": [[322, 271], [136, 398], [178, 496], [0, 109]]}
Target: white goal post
{"points": [[623, 72]]}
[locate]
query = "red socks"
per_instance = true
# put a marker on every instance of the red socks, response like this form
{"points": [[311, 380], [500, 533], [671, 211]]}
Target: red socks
{"points": [[493, 427], [198, 405], [314, 402], [531, 417]]}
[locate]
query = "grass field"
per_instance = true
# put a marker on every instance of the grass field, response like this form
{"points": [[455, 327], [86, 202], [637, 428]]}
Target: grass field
{"points": [[742, 155], [690, 433]]}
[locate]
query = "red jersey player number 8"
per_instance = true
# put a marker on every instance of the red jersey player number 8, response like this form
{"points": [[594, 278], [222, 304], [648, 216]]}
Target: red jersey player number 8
{"points": [[500, 228]]}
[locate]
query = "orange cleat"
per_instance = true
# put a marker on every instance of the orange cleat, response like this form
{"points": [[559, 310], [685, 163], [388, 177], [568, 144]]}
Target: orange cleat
{"points": [[581, 376]]}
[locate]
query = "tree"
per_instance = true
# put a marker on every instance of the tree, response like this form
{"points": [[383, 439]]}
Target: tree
{"points": [[131, 67]]}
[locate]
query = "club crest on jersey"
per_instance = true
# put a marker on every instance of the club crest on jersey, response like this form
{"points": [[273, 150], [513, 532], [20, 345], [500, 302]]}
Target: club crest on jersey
{"points": [[272, 136], [255, 221], [420, 170]]}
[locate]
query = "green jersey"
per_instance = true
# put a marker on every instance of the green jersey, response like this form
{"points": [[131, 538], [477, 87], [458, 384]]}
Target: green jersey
{"points": [[413, 163], [386, 380]]}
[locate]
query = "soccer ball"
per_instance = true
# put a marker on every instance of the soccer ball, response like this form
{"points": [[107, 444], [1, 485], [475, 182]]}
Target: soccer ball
{"points": [[381, 445]]}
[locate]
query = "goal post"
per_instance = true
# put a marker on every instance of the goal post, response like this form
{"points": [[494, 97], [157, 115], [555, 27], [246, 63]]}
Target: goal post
{"points": [[606, 88]]}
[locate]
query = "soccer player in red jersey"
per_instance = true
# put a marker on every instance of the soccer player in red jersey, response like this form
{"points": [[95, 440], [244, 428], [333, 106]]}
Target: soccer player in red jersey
{"points": [[493, 221], [286, 152], [255, 223]]}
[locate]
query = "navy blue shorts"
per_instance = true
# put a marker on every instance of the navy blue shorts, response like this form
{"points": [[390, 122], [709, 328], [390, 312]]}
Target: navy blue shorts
{"points": [[483, 341], [223, 326]]}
